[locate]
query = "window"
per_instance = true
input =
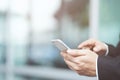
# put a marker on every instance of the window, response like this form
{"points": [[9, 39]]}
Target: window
{"points": [[109, 28], [28, 26]]}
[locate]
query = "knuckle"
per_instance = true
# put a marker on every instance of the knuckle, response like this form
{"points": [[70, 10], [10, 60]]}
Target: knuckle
{"points": [[77, 52], [76, 68], [81, 65], [77, 60]]}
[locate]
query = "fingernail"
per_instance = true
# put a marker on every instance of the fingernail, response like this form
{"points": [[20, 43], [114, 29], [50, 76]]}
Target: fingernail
{"points": [[69, 51]]}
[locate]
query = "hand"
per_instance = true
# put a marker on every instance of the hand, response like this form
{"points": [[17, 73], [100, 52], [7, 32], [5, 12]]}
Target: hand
{"points": [[81, 61], [94, 45]]}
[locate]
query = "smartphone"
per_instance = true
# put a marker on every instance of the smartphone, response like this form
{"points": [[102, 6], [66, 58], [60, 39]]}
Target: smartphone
{"points": [[60, 45]]}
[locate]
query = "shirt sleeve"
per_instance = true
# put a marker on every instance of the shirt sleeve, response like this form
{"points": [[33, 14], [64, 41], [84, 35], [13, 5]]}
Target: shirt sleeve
{"points": [[107, 49], [97, 68]]}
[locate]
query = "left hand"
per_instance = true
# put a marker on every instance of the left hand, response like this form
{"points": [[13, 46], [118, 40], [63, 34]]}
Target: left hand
{"points": [[94, 45], [81, 61]]}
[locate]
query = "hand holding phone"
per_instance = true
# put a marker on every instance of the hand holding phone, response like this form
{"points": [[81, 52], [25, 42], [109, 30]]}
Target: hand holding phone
{"points": [[60, 45]]}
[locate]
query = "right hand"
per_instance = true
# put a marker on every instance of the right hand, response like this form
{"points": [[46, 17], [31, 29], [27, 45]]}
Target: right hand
{"points": [[81, 61], [94, 45]]}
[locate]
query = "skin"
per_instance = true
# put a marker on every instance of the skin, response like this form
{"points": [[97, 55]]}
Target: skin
{"points": [[94, 45], [83, 60]]}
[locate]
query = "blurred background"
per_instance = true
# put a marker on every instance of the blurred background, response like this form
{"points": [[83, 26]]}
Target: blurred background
{"points": [[28, 26]]}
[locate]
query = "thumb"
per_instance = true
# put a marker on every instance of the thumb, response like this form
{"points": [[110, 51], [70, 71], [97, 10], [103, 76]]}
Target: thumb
{"points": [[76, 53]]}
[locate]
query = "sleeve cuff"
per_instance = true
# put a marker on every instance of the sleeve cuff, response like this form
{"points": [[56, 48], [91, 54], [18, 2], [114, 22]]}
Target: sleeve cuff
{"points": [[107, 51]]}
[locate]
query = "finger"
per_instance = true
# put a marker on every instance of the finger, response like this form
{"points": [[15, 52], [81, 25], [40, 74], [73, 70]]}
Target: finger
{"points": [[97, 48], [63, 54], [67, 56], [71, 65], [76, 53], [87, 44]]}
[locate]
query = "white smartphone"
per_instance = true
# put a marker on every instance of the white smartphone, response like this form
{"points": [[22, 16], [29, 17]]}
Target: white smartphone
{"points": [[60, 45]]}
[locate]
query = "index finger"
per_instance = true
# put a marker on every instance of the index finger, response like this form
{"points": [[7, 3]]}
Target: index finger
{"points": [[87, 44], [76, 53]]}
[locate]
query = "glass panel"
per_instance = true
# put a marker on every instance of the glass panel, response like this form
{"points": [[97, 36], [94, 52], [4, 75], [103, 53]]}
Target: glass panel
{"points": [[69, 21], [2, 76], [3, 5], [30, 29], [30, 35], [2, 37], [20, 7], [109, 29], [18, 38]]}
